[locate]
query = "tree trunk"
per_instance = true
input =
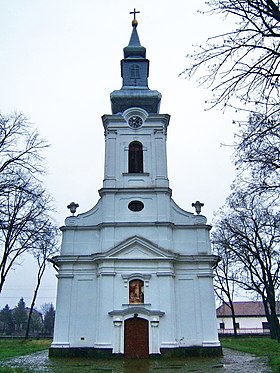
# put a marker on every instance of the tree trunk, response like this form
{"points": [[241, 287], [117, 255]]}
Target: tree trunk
{"points": [[275, 327], [272, 318], [233, 318], [40, 273], [30, 312]]}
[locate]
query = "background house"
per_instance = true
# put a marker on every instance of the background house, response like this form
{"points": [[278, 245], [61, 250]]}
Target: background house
{"points": [[250, 318]]}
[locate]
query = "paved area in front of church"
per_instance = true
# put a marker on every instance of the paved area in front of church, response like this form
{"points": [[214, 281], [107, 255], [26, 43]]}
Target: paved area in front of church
{"points": [[232, 361]]}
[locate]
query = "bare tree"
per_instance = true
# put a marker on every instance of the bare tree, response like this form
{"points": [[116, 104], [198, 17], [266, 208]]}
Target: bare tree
{"points": [[20, 146], [250, 229], [242, 65], [258, 153], [242, 68], [226, 273], [24, 212], [46, 247], [25, 206]]}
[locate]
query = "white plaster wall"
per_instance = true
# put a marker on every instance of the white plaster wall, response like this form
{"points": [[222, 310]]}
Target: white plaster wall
{"points": [[207, 307], [91, 286], [187, 311], [63, 311], [153, 138], [89, 294], [84, 311], [189, 240], [165, 288]]}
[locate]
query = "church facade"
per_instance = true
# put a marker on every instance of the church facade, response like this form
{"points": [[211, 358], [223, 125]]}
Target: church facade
{"points": [[135, 271]]}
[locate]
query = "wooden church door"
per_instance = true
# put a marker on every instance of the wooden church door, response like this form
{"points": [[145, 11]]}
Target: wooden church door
{"points": [[136, 338]]}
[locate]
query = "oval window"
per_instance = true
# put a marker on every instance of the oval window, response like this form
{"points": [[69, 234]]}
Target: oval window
{"points": [[136, 205]]}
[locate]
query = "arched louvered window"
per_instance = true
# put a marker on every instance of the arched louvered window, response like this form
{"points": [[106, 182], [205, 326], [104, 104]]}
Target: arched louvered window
{"points": [[135, 157]]}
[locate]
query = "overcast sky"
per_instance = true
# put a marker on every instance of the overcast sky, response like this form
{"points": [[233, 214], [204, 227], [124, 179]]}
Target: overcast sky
{"points": [[60, 59]]}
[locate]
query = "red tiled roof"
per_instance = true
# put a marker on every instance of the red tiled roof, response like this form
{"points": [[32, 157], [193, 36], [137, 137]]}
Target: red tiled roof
{"points": [[244, 309]]}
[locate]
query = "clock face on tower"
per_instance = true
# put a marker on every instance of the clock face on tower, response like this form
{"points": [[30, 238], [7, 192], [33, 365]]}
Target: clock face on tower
{"points": [[135, 121]]}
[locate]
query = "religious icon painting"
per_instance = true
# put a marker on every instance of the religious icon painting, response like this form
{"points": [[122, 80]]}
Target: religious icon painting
{"points": [[136, 291]]}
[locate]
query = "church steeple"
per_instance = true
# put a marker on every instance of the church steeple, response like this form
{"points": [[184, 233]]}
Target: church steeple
{"points": [[135, 72], [135, 66], [134, 48], [134, 242]]}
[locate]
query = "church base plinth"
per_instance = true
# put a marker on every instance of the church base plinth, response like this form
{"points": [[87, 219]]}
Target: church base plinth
{"points": [[196, 351], [87, 352], [90, 352]]}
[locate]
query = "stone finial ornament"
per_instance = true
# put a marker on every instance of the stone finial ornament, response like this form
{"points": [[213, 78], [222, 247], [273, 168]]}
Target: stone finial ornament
{"points": [[197, 205], [73, 207]]}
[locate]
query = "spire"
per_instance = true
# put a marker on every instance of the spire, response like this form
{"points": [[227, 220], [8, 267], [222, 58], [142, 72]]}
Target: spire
{"points": [[135, 72], [134, 48]]}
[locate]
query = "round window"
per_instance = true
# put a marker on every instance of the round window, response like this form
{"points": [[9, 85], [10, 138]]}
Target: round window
{"points": [[136, 205]]}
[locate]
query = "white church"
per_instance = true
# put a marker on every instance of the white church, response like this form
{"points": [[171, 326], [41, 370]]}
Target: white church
{"points": [[135, 271]]}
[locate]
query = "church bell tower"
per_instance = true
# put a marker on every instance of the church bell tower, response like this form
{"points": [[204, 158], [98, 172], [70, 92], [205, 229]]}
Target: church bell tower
{"points": [[135, 271]]}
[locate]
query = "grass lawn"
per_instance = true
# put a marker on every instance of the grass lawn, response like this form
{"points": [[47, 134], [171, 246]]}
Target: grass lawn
{"points": [[18, 347], [257, 346]]}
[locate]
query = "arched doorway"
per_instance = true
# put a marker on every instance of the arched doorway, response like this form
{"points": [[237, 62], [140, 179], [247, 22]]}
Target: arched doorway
{"points": [[136, 338]]}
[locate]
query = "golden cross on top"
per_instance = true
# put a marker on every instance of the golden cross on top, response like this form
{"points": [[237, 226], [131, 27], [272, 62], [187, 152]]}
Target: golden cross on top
{"points": [[134, 13]]}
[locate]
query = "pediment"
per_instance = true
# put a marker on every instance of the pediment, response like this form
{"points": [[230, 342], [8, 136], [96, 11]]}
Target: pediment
{"points": [[138, 248]]}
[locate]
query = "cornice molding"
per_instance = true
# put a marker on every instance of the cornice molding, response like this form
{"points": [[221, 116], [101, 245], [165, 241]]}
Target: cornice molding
{"points": [[100, 226]]}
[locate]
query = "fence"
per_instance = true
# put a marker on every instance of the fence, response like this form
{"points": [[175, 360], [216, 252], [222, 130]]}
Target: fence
{"points": [[244, 331]]}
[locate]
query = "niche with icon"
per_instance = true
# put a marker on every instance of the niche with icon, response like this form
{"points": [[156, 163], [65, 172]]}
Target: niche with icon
{"points": [[136, 291]]}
